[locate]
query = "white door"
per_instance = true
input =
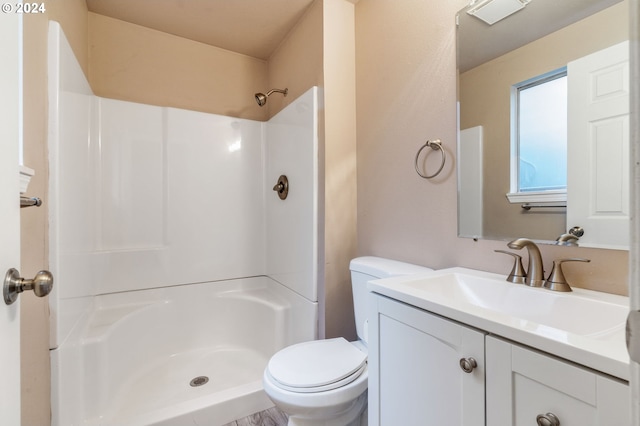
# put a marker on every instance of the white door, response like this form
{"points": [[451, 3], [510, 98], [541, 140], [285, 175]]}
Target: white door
{"points": [[415, 372], [10, 51], [524, 385], [598, 147]]}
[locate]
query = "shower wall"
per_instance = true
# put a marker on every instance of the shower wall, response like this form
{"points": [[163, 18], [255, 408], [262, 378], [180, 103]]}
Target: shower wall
{"points": [[134, 63], [144, 196], [292, 238]]}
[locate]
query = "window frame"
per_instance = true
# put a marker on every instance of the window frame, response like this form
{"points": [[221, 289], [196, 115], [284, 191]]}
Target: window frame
{"points": [[515, 195]]}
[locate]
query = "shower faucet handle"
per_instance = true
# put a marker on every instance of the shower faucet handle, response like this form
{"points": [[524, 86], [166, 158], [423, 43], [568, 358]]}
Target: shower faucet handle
{"points": [[517, 274], [282, 187]]}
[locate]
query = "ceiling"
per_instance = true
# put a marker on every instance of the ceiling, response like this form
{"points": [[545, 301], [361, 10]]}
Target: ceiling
{"points": [[479, 42], [250, 27]]}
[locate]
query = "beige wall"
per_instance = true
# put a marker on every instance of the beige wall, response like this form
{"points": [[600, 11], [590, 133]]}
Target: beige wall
{"points": [[406, 93], [297, 62], [340, 165], [137, 64], [502, 219]]}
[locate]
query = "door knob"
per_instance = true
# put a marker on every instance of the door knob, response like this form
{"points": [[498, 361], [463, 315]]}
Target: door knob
{"points": [[41, 285]]}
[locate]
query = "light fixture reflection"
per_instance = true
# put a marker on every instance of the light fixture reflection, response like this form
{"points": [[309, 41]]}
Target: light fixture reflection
{"points": [[492, 11], [235, 146]]}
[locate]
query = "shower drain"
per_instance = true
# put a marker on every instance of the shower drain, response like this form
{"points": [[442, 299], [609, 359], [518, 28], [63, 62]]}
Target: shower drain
{"points": [[198, 381]]}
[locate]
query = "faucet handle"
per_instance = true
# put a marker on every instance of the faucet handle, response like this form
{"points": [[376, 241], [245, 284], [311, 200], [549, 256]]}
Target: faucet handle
{"points": [[517, 274], [556, 280]]}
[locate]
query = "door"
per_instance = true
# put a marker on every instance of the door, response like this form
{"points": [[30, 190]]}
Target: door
{"points": [[634, 253], [416, 374], [598, 136], [10, 81], [526, 387]]}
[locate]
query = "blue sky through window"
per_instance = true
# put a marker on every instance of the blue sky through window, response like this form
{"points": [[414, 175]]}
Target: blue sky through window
{"points": [[542, 135]]}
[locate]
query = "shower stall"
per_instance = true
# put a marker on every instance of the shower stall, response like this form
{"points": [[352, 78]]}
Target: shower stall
{"points": [[179, 271]]}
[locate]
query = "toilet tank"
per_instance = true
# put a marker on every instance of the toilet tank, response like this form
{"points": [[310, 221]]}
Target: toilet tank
{"points": [[364, 269]]}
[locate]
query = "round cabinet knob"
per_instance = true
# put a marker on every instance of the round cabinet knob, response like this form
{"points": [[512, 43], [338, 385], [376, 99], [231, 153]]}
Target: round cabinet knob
{"points": [[548, 419], [468, 364]]}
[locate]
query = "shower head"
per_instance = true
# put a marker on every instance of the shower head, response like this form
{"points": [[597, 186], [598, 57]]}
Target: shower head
{"points": [[261, 98]]}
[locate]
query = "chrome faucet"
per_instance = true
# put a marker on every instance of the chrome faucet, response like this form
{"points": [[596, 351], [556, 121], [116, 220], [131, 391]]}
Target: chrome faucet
{"points": [[535, 270], [567, 240]]}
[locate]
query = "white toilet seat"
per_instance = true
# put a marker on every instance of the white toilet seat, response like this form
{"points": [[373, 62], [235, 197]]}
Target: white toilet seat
{"points": [[338, 384], [316, 366]]}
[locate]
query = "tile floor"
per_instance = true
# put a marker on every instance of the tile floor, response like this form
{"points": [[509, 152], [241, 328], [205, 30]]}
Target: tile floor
{"points": [[270, 417]]}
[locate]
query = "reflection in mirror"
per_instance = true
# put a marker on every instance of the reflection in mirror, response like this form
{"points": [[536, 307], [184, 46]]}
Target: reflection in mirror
{"points": [[588, 38]]}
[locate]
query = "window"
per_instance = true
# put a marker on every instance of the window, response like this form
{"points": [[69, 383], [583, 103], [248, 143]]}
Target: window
{"points": [[539, 139]]}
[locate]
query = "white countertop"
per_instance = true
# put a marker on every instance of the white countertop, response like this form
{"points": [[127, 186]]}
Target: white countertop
{"points": [[604, 350]]}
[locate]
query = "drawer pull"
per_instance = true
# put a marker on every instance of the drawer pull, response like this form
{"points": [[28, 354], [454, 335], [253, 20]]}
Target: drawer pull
{"points": [[548, 419], [468, 364]]}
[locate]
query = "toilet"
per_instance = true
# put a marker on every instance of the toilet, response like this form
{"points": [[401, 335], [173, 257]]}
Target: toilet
{"points": [[324, 382]]}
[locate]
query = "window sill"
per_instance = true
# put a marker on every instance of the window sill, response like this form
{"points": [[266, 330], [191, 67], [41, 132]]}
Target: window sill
{"points": [[537, 197]]}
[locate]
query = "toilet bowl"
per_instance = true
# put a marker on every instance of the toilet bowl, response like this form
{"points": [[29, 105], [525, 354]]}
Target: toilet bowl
{"points": [[319, 382], [324, 382]]}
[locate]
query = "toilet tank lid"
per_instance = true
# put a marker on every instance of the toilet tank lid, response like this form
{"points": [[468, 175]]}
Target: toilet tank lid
{"points": [[379, 267]]}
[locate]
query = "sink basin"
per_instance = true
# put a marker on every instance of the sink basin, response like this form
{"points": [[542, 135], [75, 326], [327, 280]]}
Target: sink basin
{"points": [[575, 312], [587, 327]]}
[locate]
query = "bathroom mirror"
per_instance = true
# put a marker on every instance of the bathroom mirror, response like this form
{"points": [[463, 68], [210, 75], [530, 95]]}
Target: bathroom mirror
{"points": [[543, 37]]}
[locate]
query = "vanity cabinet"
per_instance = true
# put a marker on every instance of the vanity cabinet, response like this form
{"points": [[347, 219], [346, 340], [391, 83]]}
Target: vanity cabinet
{"points": [[415, 373], [523, 384], [416, 377]]}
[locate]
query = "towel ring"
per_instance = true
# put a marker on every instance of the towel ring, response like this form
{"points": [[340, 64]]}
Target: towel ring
{"points": [[434, 144]]}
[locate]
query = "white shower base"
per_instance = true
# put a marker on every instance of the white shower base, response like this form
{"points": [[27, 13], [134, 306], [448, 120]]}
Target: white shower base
{"points": [[132, 361], [161, 394]]}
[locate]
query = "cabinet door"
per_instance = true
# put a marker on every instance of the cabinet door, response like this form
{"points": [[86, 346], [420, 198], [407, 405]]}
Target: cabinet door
{"points": [[522, 384], [415, 376]]}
